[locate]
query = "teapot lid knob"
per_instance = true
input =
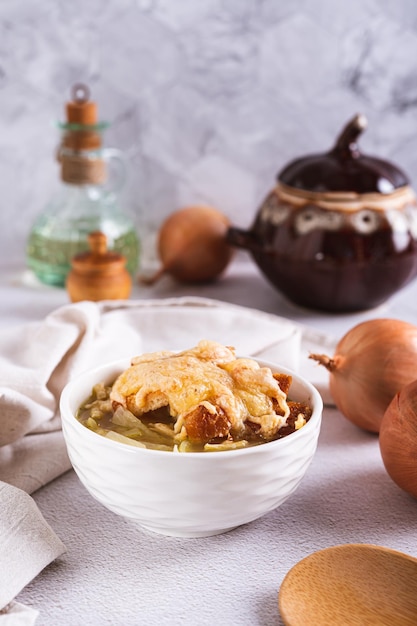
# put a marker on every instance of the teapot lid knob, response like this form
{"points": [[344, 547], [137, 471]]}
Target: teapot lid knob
{"points": [[347, 140]]}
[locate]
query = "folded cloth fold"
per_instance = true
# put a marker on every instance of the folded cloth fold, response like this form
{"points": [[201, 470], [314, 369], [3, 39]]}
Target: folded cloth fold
{"points": [[37, 360], [27, 545], [17, 614]]}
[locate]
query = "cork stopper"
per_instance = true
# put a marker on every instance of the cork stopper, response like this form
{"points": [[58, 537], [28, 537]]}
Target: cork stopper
{"points": [[82, 130], [81, 110], [98, 274]]}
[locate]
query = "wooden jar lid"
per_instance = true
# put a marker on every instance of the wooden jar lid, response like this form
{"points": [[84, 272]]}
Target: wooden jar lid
{"points": [[98, 258], [98, 274]]}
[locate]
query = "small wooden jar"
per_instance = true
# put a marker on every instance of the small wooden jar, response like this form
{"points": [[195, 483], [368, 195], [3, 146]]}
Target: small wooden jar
{"points": [[98, 274]]}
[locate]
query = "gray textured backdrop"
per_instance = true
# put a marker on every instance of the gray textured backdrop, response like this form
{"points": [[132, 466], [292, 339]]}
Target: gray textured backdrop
{"points": [[209, 98]]}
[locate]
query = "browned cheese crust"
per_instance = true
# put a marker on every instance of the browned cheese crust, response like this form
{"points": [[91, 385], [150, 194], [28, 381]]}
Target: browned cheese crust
{"points": [[209, 392]]}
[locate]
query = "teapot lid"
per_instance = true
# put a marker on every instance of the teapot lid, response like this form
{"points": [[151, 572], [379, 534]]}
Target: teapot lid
{"points": [[344, 168]]}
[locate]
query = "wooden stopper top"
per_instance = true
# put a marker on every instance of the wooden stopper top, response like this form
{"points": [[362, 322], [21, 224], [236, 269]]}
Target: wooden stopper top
{"points": [[81, 110], [81, 130]]}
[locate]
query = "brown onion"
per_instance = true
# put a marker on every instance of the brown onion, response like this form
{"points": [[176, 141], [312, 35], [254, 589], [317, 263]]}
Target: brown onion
{"points": [[372, 362], [398, 439], [192, 245]]}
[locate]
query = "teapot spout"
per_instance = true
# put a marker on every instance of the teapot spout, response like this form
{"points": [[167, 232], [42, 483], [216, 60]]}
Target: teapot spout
{"points": [[241, 238]]}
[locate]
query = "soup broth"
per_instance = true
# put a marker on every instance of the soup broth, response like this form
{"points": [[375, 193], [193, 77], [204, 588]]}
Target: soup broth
{"points": [[155, 429]]}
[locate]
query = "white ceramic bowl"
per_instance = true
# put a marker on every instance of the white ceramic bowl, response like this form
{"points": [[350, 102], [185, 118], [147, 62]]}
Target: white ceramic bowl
{"points": [[195, 494]]}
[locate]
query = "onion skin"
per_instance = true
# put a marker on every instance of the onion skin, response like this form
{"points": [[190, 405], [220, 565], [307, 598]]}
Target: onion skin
{"points": [[372, 362], [192, 245], [398, 439]]}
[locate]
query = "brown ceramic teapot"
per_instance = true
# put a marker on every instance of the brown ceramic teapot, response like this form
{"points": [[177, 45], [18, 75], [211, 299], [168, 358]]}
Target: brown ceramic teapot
{"points": [[338, 233]]}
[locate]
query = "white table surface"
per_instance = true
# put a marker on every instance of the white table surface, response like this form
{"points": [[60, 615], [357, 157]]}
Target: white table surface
{"points": [[113, 573]]}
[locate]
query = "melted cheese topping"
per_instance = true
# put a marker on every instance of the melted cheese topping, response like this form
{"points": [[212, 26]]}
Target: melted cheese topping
{"points": [[206, 378]]}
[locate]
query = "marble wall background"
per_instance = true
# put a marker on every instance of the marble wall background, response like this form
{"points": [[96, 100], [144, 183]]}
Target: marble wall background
{"points": [[208, 98]]}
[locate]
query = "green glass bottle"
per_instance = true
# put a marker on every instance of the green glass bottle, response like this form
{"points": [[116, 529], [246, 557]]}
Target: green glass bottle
{"points": [[85, 201]]}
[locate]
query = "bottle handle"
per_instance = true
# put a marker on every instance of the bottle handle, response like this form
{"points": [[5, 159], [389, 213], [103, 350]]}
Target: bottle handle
{"points": [[117, 169]]}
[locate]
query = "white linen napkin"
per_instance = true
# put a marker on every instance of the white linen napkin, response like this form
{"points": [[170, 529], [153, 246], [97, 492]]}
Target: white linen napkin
{"points": [[27, 545], [17, 614], [37, 360]]}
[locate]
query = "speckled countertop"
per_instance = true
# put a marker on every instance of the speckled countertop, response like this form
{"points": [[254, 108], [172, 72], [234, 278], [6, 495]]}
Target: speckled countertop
{"points": [[114, 573]]}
